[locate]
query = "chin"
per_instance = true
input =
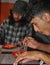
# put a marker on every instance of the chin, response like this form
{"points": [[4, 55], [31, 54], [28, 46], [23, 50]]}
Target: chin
{"points": [[16, 20]]}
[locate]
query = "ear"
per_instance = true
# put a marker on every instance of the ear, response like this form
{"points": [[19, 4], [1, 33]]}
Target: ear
{"points": [[46, 17]]}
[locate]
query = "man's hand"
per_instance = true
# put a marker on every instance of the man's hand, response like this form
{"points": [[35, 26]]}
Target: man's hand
{"points": [[31, 42], [27, 56]]}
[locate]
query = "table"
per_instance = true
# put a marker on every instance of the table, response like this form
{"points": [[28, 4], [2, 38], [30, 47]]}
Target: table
{"points": [[6, 58]]}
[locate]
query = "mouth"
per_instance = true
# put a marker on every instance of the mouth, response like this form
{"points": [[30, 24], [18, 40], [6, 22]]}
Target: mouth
{"points": [[16, 19]]}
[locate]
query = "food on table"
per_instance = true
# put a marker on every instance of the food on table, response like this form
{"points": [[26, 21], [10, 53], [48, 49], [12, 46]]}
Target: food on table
{"points": [[9, 46], [17, 53]]}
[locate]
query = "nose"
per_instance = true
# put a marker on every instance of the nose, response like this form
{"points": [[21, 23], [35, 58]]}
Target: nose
{"points": [[17, 16]]}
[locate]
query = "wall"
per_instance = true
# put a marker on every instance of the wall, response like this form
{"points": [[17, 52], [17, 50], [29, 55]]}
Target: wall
{"points": [[5, 9], [5, 6]]}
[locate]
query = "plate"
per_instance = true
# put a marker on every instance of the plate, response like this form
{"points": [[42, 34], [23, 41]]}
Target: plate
{"points": [[8, 46]]}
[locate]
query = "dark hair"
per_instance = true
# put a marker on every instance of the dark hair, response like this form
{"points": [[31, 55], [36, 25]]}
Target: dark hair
{"points": [[22, 22], [38, 6], [20, 7]]}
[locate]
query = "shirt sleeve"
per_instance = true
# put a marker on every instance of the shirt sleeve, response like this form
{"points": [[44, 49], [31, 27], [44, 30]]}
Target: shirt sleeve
{"points": [[42, 38], [2, 29]]}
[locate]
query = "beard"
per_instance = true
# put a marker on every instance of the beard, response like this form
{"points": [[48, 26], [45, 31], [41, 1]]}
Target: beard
{"points": [[16, 20]]}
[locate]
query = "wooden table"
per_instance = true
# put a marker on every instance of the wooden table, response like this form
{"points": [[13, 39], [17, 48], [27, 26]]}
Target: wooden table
{"points": [[6, 58]]}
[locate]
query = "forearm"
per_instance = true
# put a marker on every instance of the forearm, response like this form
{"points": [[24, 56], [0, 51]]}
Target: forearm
{"points": [[44, 47], [45, 58]]}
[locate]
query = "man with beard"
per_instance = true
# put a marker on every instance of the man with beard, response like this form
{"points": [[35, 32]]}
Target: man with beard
{"points": [[16, 27]]}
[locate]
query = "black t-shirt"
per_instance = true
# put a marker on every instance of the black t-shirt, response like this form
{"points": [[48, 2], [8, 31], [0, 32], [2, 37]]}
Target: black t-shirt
{"points": [[44, 39], [41, 37]]}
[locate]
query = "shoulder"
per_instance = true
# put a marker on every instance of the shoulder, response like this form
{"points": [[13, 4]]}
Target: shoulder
{"points": [[5, 21]]}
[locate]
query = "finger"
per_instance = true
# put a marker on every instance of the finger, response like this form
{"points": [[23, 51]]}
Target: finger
{"points": [[32, 45], [26, 60], [30, 38], [20, 58], [15, 63], [20, 42], [25, 39], [25, 43]]}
